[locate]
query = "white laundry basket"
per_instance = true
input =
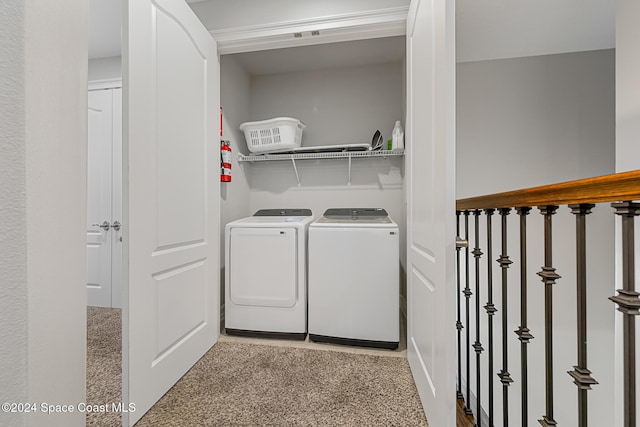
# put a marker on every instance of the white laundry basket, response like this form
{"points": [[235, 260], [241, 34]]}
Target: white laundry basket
{"points": [[278, 134]]}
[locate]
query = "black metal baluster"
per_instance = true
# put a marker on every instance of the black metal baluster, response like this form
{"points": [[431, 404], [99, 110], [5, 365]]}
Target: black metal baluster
{"points": [[505, 377], [581, 375], [491, 310], [477, 346], [459, 301], [549, 277], [523, 332], [467, 294], [628, 303]]}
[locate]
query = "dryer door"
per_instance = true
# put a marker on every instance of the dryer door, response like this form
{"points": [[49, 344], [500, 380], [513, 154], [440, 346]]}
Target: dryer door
{"points": [[263, 267]]}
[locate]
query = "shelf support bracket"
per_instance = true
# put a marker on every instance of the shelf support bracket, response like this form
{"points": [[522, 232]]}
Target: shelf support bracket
{"points": [[295, 169], [349, 182]]}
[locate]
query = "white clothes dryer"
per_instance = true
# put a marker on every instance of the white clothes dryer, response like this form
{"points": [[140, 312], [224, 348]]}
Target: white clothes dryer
{"points": [[354, 278], [266, 274]]}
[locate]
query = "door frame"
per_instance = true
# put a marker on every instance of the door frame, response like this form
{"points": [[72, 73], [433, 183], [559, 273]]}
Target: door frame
{"points": [[334, 28], [345, 27]]}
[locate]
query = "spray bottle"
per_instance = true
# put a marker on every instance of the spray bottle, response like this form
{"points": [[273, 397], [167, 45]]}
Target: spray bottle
{"points": [[397, 137]]}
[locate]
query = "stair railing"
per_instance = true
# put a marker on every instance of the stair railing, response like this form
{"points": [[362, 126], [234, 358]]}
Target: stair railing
{"points": [[622, 191]]}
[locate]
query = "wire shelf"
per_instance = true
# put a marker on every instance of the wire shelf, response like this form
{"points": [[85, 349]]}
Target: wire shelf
{"points": [[323, 155], [292, 157]]}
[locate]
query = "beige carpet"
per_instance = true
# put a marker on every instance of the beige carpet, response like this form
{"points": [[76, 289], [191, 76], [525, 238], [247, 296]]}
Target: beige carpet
{"points": [[104, 367], [242, 384]]}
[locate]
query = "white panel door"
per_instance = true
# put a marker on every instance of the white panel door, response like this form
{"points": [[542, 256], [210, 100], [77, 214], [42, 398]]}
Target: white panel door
{"points": [[171, 102], [431, 206], [99, 197]]}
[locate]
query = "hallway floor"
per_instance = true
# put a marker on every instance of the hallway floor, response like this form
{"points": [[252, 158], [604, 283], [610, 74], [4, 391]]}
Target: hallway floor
{"points": [[249, 382]]}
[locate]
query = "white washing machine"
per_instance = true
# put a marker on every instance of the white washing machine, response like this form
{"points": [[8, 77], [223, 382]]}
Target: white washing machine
{"points": [[354, 278], [266, 274]]}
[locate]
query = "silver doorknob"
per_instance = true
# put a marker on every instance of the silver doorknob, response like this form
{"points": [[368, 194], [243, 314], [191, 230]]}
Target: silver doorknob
{"points": [[105, 225], [116, 225]]}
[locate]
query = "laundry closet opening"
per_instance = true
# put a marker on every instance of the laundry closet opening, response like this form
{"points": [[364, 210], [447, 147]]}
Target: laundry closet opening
{"points": [[343, 92]]}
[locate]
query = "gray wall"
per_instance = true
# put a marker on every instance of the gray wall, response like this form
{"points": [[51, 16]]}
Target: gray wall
{"points": [[13, 222], [43, 248], [344, 105], [532, 121], [627, 145], [338, 106], [235, 99], [627, 85], [105, 68], [56, 119]]}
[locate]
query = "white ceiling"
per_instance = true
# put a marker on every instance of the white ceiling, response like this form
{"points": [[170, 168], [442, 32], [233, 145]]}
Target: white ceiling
{"points": [[486, 29]]}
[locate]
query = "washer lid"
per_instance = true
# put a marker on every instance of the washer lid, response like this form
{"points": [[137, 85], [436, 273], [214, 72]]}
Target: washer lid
{"points": [[357, 221], [356, 212], [284, 212], [363, 217]]}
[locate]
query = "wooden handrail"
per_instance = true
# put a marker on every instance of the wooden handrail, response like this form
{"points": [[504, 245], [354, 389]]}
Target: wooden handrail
{"points": [[624, 186]]}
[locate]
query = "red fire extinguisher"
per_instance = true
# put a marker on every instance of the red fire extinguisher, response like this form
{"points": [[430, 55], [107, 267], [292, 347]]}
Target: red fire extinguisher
{"points": [[225, 161]]}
